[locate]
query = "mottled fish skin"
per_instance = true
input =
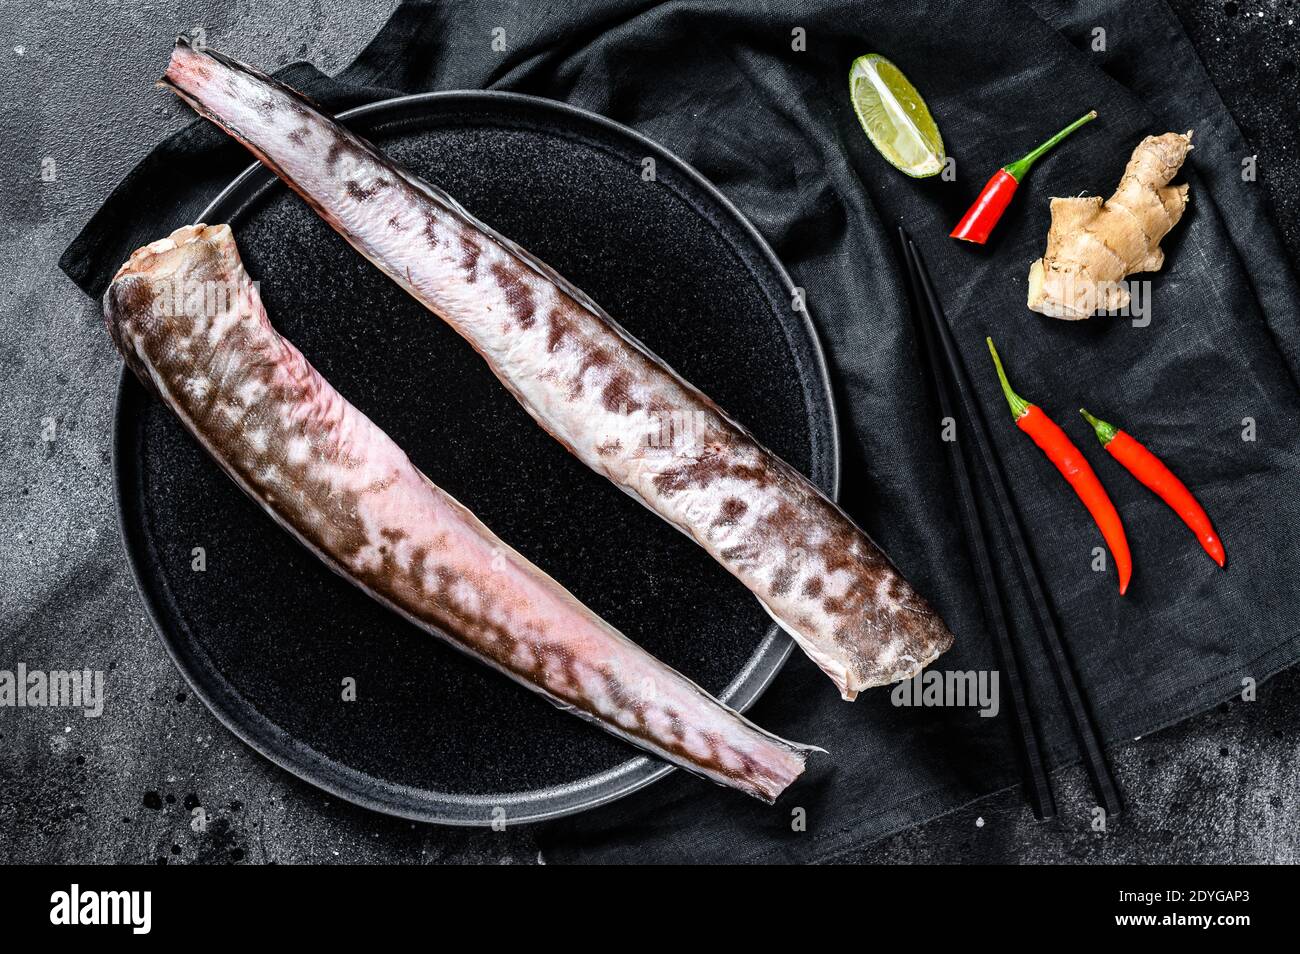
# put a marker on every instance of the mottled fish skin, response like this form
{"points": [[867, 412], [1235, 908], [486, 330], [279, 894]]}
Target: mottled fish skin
{"points": [[601, 393], [190, 323]]}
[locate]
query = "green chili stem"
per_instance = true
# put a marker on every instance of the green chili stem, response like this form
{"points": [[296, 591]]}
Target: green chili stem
{"points": [[1019, 406], [1020, 167], [1105, 432]]}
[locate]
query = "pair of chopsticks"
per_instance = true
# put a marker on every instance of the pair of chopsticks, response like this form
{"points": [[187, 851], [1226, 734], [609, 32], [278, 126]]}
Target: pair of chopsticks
{"points": [[952, 386]]}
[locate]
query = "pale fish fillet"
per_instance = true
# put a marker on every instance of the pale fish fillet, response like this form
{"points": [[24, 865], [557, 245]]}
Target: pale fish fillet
{"points": [[601, 393], [190, 323]]}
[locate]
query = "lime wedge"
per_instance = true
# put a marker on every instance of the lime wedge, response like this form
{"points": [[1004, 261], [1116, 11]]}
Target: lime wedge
{"points": [[895, 117]]}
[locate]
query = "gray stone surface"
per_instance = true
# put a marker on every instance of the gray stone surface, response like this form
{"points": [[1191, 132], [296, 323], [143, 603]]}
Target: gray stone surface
{"points": [[74, 91]]}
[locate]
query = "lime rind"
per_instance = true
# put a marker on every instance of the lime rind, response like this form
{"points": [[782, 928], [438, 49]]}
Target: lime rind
{"points": [[895, 117]]}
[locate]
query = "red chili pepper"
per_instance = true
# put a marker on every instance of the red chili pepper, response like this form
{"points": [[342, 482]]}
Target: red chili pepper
{"points": [[1069, 460], [980, 218], [1151, 470]]}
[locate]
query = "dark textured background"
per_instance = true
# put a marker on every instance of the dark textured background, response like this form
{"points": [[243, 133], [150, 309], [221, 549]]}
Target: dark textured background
{"points": [[74, 88]]}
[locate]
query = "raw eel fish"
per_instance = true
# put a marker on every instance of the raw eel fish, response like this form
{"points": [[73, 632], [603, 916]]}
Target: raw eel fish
{"points": [[601, 393], [190, 324]]}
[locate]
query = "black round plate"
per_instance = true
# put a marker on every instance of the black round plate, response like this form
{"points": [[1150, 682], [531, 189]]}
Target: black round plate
{"points": [[267, 636]]}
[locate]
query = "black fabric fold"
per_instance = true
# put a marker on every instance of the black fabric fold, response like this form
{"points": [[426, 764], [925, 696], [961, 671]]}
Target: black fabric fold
{"points": [[721, 84]]}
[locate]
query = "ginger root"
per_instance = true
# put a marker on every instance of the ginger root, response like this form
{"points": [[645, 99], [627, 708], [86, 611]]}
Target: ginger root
{"points": [[1092, 246]]}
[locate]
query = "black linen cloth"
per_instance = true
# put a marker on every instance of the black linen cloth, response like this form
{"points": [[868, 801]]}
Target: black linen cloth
{"points": [[755, 96]]}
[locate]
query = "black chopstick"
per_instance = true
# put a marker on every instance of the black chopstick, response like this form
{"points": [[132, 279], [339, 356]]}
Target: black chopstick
{"points": [[1038, 788], [1085, 730]]}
